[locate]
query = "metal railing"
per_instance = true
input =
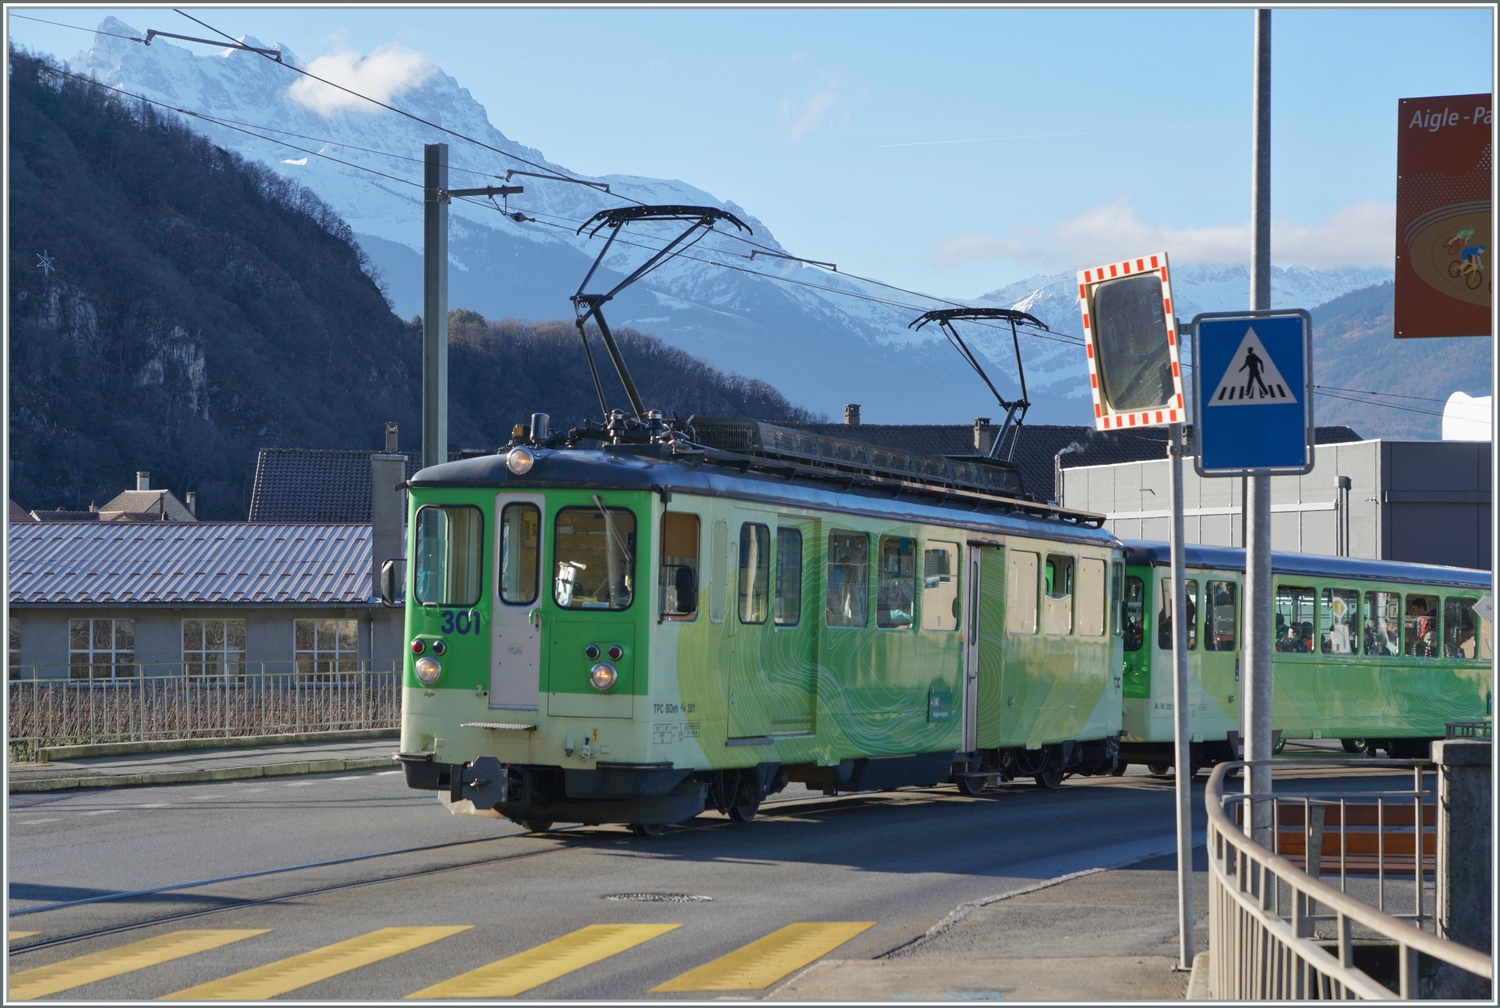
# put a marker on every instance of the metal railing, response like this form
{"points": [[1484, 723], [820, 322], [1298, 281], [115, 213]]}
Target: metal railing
{"points": [[52, 705], [1279, 932], [1467, 729]]}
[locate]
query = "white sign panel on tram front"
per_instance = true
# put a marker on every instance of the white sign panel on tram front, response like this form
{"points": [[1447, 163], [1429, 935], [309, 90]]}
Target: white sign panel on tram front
{"points": [[1252, 393]]}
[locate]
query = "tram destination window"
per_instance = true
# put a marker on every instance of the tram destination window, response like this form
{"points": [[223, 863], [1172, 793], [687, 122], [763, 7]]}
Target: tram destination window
{"points": [[896, 598], [448, 555], [1219, 598], [520, 553], [755, 572], [1164, 616], [1021, 593], [1382, 633], [594, 549], [1421, 626], [1339, 619], [1294, 620], [1057, 609], [1133, 613], [848, 579], [679, 565], [1465, 633], [788, 577], [940, 586]]}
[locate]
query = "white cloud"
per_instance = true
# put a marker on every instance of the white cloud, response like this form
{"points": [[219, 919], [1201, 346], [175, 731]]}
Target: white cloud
{"points": [[1362, 234], [382, 75], [827, 105]]}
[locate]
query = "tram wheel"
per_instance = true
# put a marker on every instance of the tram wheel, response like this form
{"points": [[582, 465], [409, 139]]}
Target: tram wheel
{"points": [[1355, 745], [743, 810], [1120, 768], [537, 825], [1049, 780], [972, 786], [647, 829], [1158, 769]]}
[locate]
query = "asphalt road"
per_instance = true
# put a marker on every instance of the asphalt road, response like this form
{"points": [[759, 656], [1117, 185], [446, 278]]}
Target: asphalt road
{"points": [[897, 862]]}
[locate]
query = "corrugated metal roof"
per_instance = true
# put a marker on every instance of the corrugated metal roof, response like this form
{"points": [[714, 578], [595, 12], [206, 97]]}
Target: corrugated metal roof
{"points": [[314, 485], [198, 562]]}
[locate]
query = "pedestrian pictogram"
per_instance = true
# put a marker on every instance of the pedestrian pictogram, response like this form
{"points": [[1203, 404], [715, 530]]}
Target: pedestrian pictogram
{"points": [[1252, 378]]}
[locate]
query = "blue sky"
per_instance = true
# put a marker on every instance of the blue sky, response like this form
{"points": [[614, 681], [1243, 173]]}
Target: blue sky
{"points": [[951, 151]]}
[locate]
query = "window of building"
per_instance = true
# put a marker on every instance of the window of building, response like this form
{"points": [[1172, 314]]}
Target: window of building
{"points": [[897, 586], [1339, 620], [679, 565], [1421, 626], [940, 586], [1164, 617], [848, 579], [1133, 615], [788, 577], [1020, 592], [520, 553], [326, 650], [1091, 597], [14, 662], [1219, 612], [1294, 620], [1382, 636], [755, 572], [101, 648], [214, 648], [595, 556], [1465, 633], [448, 555]]}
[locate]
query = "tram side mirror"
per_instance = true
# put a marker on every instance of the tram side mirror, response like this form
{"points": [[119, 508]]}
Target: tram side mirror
{"points": [[388, 593], [687, 591]]}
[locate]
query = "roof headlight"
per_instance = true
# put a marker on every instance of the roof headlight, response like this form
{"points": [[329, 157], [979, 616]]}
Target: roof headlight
{"points": [[603, 677], [520, 460], [428, 669]]}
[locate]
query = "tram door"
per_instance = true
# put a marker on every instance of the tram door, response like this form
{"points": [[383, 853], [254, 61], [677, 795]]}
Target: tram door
{"points": [[984, 643], [515, 621], [970, 626]]}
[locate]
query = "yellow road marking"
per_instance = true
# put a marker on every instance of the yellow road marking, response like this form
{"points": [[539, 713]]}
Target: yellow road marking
{"points": [[14, 935], [61, 976], [534, 967], [285, 975], [766, 960]]}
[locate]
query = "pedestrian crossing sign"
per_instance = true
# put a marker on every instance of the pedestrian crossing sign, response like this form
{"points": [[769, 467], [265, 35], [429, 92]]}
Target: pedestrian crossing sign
{"points": [[1252, 393]]}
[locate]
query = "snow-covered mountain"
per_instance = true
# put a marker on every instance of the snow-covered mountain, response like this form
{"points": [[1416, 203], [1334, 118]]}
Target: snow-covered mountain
{"points": [[822, 338]]}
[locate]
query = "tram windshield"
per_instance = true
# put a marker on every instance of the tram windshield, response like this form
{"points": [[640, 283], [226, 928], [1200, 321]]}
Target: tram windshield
{"points": [[448, 556], [595, 554]]}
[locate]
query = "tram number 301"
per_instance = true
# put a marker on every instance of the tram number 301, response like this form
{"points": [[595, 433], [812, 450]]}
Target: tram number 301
{"points": [[462, 622]]}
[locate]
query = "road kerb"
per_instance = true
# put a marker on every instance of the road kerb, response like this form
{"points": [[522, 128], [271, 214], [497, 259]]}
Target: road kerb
{"points": [[197, 776]]}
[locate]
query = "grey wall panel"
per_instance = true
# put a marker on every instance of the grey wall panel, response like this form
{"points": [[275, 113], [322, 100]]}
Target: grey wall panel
{"points": [[1319, 533]]}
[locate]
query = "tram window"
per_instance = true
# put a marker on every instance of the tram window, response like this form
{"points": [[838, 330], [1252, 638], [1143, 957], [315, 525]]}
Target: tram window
{"points": [[755, 572], [1091, 597], [1219, 606], [1164, 617], [1465, 633], [1337, 620], [1382, 634], [1421, 626], [595, 554], [1133, 613], [520, 541], [940, 586], [448, 557], [1020, 593], [679, 565], [896, 596], [1294, 619], [848, 579], [1057, 610], [1116, 594], [788, 577]]}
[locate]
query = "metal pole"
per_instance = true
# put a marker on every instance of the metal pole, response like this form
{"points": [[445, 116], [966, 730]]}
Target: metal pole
{"points": [[1182, 730], [435, 304]]}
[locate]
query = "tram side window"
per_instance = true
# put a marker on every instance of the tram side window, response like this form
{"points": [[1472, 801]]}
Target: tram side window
{"points": [[448, 557], [848, 579], [1421, 626], [1057, 611], [896, 595], [595, 554], [679, 565], [1133, 613], [520, 553], [1091, 597], [788, 577], [1338, 619], [1294, 619], [1219, 608], [1382, 624], [755, 572], [940, 586], [1164, 617], [1020, 593], [1465, 633], [1116, 595]]}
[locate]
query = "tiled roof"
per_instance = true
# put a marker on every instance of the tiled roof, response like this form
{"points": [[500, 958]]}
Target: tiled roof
{"points": [[18, 513], [199, 562], [64, 516], [313, 485], [150, 505]]}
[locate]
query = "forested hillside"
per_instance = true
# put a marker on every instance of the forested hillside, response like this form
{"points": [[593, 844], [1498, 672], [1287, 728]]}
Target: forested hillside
{"points": [[174, 308]]}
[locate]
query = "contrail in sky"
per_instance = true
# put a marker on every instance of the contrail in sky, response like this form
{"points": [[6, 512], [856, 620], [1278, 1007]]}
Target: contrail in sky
{"points": [[1038, 136]]}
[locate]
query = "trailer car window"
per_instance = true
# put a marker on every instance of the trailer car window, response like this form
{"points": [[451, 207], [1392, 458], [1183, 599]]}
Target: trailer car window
{"points": [[679, 565], [520, 553], [448, 556], [1382, 634], [896, 597], [848, 579], [1219, 611], [595, 555], [1338, 619], [1465, 634], [1294, 620], [1057, 609], [788, 577], [755, 572], [1133, 616], [1164, 617], [1421, 626], [940, 586]]}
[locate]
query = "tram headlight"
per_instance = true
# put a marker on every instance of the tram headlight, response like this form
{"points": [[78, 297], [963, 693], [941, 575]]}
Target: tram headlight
{"points": [[603, 677], [520, 460], [428, 669]]}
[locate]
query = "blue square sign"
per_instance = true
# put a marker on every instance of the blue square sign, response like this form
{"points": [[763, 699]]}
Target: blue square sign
{"points": [[1252, 393]]}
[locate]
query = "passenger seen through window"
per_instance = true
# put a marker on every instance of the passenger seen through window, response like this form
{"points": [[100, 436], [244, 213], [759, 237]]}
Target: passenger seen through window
{"points": [[1218, 615], [1465, 635], [1339, 617], [897, 595], [1164, 618], [1421, 626], [1382, 636], [1294, 620]]}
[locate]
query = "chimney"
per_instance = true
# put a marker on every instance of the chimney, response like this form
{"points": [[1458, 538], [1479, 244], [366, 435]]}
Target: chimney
{"points": [[851, 414], [142, 480], [392, 437], [387, 508], [192, 502], [984, 437]]}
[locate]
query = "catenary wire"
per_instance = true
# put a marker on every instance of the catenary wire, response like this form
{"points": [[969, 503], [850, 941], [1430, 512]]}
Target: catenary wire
{"points": [[91, 31]]}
